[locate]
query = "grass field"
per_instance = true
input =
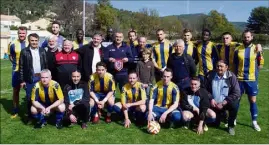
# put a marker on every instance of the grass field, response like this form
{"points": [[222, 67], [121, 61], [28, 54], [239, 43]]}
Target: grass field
{"points": [[15, 131]]}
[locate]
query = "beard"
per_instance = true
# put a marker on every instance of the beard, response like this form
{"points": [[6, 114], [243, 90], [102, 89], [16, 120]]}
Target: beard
{"points": [[247, 43]]}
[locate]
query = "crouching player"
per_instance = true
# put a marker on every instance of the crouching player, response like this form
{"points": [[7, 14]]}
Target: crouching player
{"points": [[195, 105], [164, 100], [133, 99], [76, 98], [46, 96], [102, 88]]}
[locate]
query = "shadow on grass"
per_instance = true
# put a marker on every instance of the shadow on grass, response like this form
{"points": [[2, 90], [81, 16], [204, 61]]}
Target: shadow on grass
{"points": [[7, 105], [247, 125]]}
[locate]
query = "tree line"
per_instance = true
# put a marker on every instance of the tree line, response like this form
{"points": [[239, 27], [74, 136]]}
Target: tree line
{"points": [[101, 16]]}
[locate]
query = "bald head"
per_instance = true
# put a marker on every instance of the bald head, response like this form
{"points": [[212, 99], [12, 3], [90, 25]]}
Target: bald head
{"points": [[142, 41], [68, 46]]}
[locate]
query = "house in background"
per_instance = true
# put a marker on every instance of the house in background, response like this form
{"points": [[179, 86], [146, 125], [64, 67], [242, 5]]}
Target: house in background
{"points": [[40, 24], [5, 39], [9, 20]]}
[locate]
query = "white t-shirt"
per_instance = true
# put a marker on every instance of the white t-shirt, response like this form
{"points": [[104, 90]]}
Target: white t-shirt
{"points": [[36, 60], [96, 57]]}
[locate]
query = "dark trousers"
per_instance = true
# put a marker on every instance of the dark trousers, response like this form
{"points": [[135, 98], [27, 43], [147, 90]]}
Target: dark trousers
{"points": [[158, 75], [81, 111], [232, 109], [183, 84], [121, 79]]}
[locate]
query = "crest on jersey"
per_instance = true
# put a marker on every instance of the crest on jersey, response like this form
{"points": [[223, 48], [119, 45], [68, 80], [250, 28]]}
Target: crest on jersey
{"points": [[118, 65], [74, 57]]}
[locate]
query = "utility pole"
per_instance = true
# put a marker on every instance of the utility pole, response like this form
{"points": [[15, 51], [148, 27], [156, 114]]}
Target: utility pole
{"points": [[83, 19]]}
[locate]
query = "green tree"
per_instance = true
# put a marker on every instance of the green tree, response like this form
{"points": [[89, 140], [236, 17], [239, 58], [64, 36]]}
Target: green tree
{"points": [[258, 20], [218, 23], [172, 25], [148, 21], [105, 15]]}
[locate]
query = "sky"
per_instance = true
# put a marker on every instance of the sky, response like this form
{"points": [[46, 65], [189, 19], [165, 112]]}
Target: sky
{"points": [[235, 11]]}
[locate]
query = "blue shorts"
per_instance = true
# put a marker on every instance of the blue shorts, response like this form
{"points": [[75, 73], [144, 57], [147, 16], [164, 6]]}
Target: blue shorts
{"points": [[101, 96], [15, 79], [249, 87]]}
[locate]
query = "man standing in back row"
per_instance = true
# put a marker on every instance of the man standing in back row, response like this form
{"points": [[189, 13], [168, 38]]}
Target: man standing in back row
{"points": [[118, 56], [55, 28], [247, 63], [32, 60], [14, 50], [161, 51]]}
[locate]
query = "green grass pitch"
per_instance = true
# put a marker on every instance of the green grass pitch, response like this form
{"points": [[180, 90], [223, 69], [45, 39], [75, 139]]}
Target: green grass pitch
{"points": [[15, 131]]}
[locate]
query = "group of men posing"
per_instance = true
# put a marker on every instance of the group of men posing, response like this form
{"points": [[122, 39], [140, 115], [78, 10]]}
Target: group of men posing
{"points": [[78, 79]]}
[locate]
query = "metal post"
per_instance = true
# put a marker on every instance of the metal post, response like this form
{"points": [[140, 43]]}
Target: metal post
{"points": [[83, 17]]}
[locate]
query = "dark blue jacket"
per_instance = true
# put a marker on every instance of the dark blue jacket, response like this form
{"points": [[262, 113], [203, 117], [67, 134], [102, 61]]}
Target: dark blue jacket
{"points": [[118, 53]]}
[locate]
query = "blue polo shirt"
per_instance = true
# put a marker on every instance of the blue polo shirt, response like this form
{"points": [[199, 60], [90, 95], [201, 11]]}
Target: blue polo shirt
{"points": [[118, 53]]}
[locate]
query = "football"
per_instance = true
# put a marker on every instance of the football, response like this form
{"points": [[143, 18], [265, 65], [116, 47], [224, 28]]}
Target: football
{"points": [[154, 127]]}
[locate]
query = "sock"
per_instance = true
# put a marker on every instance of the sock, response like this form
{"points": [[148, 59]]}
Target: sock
{"points": [[39, 117], [59, 116], [109, 108], [210, 120], [29, 104], [117, 109], [253, 111], [94, 110], [15, 110]]}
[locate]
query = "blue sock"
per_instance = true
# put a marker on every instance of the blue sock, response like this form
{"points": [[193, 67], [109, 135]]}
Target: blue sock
{"points": [[117, 109], [15, 110], [210, 120], [59, 116], [94, 110], [109, 108], [39, 117], [253, 111]]}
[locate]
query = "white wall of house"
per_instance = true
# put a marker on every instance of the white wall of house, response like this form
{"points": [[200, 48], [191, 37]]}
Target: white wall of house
{"points": [[10, 23]]}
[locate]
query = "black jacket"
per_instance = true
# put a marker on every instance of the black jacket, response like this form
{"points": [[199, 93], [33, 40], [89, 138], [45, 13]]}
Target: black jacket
{"points": [[86, 53], [71, 87], [204, 103], [188, 60], [26, 64], [232, 82]]}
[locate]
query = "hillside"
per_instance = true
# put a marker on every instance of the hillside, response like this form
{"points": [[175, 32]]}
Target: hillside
{"points": [[194, 21], [240, 25]]}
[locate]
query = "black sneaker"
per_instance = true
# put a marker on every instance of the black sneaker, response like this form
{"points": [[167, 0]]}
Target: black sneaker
{"points": [[84, 125], [40, 125], [59, 125]]}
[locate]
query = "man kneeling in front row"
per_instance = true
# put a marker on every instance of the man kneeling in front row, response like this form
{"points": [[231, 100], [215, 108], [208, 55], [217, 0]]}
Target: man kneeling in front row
{"points": [[164, 100], [133, 100], [46, 96], [76, 96]]}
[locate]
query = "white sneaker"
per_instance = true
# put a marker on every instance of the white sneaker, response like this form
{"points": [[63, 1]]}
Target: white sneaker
{"points": [[256, 127], [205, 128], [226, 125]]}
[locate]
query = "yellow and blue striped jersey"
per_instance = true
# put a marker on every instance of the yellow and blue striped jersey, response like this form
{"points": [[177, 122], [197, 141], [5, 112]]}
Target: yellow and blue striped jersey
{"points": [[14, 50], [47, 95], [77, 45], [161, 52], [133, 44], [165, 95], [246, 61], [226, 52], [133, 94], [101, 85], [207, 55], [189, 48]]}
